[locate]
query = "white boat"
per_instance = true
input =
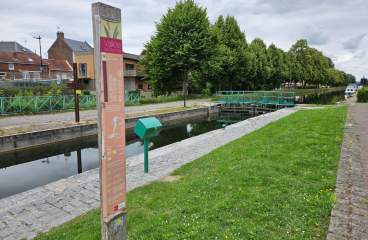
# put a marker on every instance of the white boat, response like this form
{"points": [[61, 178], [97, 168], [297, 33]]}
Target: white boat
{"points": [[351, 89]]}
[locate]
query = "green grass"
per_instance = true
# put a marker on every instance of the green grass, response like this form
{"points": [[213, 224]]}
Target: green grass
{"points": [[274, 183]]}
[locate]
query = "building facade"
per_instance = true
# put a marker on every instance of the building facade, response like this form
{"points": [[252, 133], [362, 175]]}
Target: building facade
{"points": [[18, 63]]}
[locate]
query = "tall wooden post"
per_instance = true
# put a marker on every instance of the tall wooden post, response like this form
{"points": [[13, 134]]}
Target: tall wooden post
{"points": [[109, 73], [76, 100]]}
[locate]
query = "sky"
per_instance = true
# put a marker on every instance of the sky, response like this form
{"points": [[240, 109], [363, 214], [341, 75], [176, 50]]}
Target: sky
{"points": [[338, 28]]}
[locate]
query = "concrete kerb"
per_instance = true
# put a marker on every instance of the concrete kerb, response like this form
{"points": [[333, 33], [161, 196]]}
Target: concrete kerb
{"points": [[51, 205]]}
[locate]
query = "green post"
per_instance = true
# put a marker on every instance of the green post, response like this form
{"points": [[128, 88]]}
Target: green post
{"points": [[146, 155]]}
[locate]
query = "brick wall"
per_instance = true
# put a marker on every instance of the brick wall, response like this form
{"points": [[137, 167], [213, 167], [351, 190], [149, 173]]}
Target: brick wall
{"points": [[19, 68], [59, 50], [144, 84]]}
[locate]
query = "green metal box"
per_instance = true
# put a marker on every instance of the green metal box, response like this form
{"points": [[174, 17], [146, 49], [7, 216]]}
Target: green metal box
{"points": [[147, 127]]}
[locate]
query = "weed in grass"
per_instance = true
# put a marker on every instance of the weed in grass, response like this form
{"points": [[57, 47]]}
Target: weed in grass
{"points": [[266, 185], [21, 132], [2, 132], [32, 125]]}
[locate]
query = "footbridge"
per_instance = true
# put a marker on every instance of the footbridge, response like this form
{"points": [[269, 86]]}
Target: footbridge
{"points": [[265, 98]]}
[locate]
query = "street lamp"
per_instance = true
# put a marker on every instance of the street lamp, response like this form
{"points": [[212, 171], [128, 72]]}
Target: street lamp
{"points": [[185, 83], [39, 39]]}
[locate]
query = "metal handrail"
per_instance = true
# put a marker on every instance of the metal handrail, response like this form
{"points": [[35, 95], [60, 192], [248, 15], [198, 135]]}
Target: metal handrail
{"points": [[49, 103]]}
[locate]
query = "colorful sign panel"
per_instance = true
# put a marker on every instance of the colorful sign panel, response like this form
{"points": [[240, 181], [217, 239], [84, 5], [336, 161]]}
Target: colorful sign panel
{"points": [[113, 167]]}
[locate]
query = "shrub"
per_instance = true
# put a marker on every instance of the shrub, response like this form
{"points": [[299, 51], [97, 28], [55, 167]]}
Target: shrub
{"points": [[86, 92], [37, 91], [362, 95]]}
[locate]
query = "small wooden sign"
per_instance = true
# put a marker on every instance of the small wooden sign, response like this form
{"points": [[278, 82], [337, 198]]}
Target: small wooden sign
{"points": [[70, 85]]}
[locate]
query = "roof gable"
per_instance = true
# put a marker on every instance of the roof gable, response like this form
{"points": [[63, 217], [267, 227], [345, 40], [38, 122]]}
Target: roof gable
{"points": [[78, 46], [14, 47], [59, 65]]}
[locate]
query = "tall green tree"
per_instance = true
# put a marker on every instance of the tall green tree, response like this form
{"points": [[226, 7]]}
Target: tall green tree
{"points": [[182, 41], [229, 62], [260, 71]]}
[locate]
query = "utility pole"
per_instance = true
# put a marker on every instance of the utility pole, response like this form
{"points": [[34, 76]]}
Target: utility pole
{"points": [[39, 39]]}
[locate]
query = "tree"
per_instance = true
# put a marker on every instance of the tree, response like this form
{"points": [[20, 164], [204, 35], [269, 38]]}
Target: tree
{"points": [[260, 70], [330, 63], [229, 60], [182, 41]]}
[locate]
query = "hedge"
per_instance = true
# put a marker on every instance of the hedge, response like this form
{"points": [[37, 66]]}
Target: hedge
{"points": [[362, 95]]}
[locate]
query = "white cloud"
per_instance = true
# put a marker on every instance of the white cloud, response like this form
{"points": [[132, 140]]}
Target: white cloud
{"points": [[353, 42]]}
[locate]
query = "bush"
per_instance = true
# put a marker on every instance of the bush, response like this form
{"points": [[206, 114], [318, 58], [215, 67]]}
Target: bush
{"points": [[149, 100], [133, 91], [362, 95], [86, 92], [42, 90]]}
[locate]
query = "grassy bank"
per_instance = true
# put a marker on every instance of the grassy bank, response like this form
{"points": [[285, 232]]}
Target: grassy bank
{"points": [[274, 183]]}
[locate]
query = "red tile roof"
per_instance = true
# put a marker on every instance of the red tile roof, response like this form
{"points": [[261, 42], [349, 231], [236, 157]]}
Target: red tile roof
{"points": [[24, 58], [59, 65]]}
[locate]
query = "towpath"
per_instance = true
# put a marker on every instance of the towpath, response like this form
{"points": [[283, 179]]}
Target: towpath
{"points": [[57, 120], [349, 220]]}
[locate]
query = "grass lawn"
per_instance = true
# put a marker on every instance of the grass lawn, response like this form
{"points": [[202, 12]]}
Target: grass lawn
{"points": [[274, 183]]}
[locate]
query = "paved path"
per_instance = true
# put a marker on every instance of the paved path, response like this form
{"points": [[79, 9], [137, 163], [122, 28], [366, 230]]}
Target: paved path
{"points": [[19, 121], [39, 209], [349, 220]]}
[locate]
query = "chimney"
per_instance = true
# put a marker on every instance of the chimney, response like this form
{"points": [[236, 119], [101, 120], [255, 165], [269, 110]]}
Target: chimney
{"points": [[15, 56], [60, 35]]}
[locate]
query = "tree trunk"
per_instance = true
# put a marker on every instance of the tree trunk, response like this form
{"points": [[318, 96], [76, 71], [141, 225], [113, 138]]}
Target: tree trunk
{"points": [[219, 85], [294, 84], [254, 85], [267, 85], [231, 85]]}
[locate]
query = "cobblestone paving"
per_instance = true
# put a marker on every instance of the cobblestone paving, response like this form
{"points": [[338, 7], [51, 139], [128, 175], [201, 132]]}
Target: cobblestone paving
{"points": [[18, 220], [349, 220]]}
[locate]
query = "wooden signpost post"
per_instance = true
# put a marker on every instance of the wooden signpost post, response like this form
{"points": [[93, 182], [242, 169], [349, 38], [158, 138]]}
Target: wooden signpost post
{"points": [[109, 72], [75, 86]]}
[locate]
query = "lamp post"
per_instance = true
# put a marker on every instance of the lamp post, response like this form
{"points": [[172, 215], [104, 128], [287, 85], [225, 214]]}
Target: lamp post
{"points": [[185, 83], [39, 39]]}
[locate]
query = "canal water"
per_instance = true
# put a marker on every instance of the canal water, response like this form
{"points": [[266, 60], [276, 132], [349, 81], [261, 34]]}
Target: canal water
{"points": [[27, 169], [323, 98]]}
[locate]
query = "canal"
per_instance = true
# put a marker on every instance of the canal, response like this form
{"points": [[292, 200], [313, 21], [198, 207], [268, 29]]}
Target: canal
{"points": [[30, 168], [322, 98]]}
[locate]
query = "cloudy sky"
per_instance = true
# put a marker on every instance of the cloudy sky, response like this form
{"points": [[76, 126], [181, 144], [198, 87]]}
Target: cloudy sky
{"points": [[338, 28]]}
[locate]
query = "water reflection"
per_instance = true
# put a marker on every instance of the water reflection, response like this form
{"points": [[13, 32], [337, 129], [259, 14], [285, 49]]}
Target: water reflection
{"points": [[323, 98]]}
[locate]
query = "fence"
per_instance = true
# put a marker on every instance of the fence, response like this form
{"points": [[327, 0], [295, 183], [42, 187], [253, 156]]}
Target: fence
{"points": [[49, 103], [262, 97]]}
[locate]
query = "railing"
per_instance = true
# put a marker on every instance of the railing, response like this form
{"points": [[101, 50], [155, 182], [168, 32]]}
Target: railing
{"points": [[49, 103], [262, 97], [133, 72]]}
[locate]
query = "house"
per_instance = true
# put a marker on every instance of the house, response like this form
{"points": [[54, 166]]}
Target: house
{"points": [[60, 69], [83, 54], [18, 62], [74, 51], [133, 74]]}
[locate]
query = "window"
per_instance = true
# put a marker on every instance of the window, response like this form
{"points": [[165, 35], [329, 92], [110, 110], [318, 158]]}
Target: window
{"points": [[36, 75], [129, 66], [58, 76], [12, 77], [140, 86], [11, 66], [82, 69], [2, 74], [149, 87], [63, 75], [26, 75], [30, 59]]}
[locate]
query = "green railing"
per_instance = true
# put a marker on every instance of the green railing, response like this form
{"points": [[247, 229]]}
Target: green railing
{"points": [[49, 103], [263, 97], [27, 83]]}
